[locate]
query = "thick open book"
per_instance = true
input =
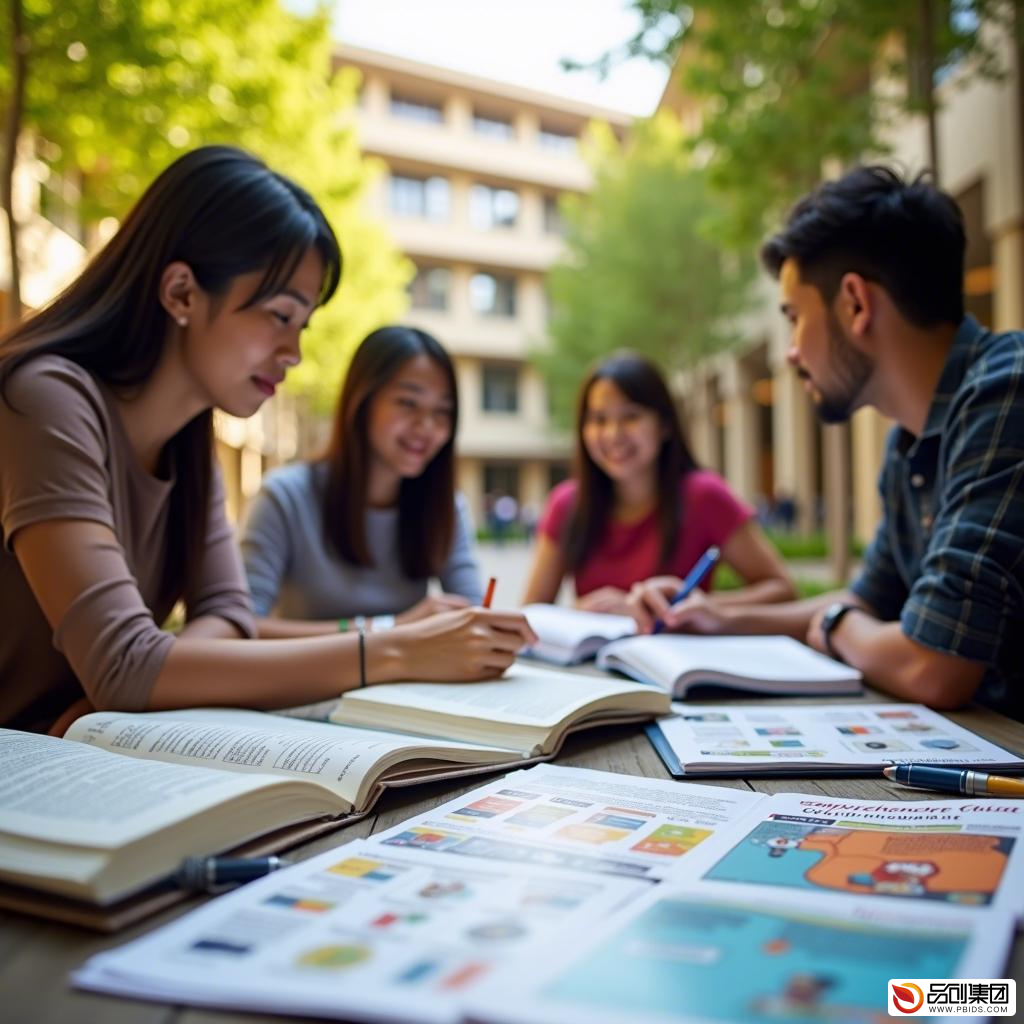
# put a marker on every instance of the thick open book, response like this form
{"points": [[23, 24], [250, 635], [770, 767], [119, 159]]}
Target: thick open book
{"points": [[758, 664], [816, 740], [568, 636], [81, 817], [529, 709], [581, 896]]}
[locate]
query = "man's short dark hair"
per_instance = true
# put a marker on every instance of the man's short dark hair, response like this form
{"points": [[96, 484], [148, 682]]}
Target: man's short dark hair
{"points": [[907, 236]]}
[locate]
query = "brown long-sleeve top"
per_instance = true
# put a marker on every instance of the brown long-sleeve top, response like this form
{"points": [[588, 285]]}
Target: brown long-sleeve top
{"points": [[64, 454]]}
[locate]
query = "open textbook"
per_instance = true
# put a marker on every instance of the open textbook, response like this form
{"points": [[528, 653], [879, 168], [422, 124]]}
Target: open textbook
{"points": [[767, 907], [833, 739], [568, 636], [81, 817], [759, 664], [530, 709]]}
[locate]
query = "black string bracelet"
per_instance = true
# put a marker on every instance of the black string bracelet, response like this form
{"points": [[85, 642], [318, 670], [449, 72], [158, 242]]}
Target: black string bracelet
{"points": [[361, 628]]}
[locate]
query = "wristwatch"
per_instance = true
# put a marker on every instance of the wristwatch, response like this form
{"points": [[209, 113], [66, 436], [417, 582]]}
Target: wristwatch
{"points": [[834, 614]]}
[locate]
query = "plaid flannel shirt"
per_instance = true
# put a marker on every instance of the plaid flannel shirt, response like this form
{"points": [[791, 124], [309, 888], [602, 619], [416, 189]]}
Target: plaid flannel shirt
{"points": [[947, 559]]}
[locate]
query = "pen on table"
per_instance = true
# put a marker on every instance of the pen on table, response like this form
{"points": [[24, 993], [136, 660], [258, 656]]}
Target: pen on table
{"points": [[211, 874], [693, 579], [489, 595], [954, 780]]}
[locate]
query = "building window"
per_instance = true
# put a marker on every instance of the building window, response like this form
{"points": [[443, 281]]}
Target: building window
{"points": [[557, 472], [492, 294], [430, 288], [501, 478], [493, 207], [553, 223], [500, 388], [420, 197], [493, 126], [556, 140], [415, 109]]}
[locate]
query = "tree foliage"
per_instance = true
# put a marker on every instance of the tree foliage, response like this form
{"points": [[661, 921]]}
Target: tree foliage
{"points": [[783, 85], [116, 89], [640, 270]]}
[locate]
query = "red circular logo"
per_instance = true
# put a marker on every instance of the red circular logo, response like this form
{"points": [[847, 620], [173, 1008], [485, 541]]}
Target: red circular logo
{"points": [[907, 993]]}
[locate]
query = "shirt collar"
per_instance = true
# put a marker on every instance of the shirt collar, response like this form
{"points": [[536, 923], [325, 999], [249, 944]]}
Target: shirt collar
{"points": [[959, 358]]}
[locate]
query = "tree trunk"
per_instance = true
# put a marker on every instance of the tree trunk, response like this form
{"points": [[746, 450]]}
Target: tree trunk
{"points": [[926, 19], [12, 135]]}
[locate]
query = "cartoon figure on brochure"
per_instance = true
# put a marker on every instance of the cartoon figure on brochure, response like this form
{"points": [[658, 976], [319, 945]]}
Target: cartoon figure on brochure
{"points": [[949, 867]]}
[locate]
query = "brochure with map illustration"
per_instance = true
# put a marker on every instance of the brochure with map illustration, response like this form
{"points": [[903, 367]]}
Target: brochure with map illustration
{"points": [[816, 740], [579, 896], [966, 852], [681, 954]]}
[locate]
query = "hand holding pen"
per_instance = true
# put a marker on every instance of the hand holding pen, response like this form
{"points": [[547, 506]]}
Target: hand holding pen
{"points": [[653, 597]]}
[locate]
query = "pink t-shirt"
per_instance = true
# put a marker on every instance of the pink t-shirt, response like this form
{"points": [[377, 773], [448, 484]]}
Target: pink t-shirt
{"points": [[628, 553]]}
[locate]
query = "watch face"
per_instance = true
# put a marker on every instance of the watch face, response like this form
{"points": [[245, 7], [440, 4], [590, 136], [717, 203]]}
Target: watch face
{"points": [[833, 614], [830, 613]]}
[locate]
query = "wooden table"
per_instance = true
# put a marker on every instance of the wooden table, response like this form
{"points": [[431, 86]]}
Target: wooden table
{"points": [[36, 957]]}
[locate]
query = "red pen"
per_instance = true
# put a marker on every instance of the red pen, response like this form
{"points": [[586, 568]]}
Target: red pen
{"points": [[489, 595]]}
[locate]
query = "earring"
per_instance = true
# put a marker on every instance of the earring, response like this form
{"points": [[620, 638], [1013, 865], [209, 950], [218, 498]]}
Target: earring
{"points": [[182, 321]]}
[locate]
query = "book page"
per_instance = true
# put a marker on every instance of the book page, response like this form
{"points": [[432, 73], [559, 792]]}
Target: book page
{"points": [[833, 734], [965, 852], [777, 659], [335, 757], [680, 954], [562, 632], [577, 818], [526, 694], [360, 933], [80, 795]]}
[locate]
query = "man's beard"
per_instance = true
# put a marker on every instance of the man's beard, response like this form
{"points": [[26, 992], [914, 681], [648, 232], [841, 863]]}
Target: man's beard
{"points": [[851, 370]]}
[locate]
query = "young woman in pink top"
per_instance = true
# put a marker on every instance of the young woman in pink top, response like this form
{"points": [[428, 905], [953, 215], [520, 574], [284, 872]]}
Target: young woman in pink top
{"points": [[639, 512]]}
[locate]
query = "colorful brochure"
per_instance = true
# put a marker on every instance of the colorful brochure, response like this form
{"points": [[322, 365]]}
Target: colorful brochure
{"points": [[817, 740], [576, 818], [360, 933]]}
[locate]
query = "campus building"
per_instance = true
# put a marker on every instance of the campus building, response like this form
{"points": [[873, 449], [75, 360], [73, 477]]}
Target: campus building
{"points": [[747, 412], [473, 174]]}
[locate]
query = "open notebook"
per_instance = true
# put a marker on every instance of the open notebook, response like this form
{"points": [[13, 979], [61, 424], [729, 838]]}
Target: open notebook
{"points": [[567, 636], [755, 664]]}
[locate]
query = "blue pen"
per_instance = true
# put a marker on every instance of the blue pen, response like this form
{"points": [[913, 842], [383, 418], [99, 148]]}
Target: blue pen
{"points": [[953, 780], [693, 579]]}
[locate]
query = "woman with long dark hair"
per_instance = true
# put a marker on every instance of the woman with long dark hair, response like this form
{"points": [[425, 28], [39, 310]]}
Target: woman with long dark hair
{"points": [[360, 531], [111, 507], [639, 512]]}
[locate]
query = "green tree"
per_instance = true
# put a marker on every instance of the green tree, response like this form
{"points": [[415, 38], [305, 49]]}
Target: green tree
{"points": [[640, 270], [784, 86], [112, 90]]}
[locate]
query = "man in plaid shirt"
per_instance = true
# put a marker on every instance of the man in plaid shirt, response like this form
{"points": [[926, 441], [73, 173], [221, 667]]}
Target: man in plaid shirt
{"points": [[870, 271]]}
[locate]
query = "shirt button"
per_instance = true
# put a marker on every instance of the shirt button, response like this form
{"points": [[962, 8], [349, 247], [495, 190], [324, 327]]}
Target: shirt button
{"points": [[917, 480]]}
